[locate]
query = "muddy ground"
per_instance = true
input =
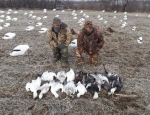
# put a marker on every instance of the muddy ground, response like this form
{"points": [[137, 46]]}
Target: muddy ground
{"points": [[121, 54]]}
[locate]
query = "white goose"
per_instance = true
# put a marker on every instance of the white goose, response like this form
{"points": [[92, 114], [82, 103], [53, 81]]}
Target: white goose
{"points": [[70, 75], [6, 25], [44, 89], [81, 89], [19, 50], [29, 28], [73, 43], [9, 35], [61, 76], [55, 86], [48, 76], [1, 27], [33, 86], [39, 24], [140, 40], [42, 30]]}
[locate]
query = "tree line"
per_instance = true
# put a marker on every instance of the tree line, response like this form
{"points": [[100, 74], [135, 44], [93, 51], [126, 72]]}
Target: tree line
{"points": [[108, 5]]}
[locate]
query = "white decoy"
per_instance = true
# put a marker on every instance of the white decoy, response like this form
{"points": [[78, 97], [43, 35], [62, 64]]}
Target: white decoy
{"points": [[148, 16], [9, 35], [133, 28], [14, 19], [63, 11], [48, 76], [100, 18], [114, 17], [54, 9], [38, 18], [55, 86], [86, 16], [1, 11], [105, 22], [15, 12], [19, 50], [44, 10], [8, 18], [74, 18], [6, 25], [115, 11], [2, 16], [43, 30], [9, 10], [81, 89], [103, 10], [33, 16], [81, 11], [136, 15], [1, 21], [140, 40], [61, 76], [29, 28], [31, 12], [8, 13], [74, 14], [44, 89], [57, 15], [30, 15], [25, 13], [70, 75], [73, 43], [44, 17], [39, 24], [70, 88], [1, 27], [125, 12], [34, 86]]}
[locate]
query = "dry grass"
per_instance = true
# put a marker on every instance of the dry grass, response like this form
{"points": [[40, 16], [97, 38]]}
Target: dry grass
{"points": [[121, 54]]}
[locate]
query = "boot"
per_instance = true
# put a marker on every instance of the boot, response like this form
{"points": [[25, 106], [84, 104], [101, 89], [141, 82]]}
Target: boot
{"points": [[93, 59]]}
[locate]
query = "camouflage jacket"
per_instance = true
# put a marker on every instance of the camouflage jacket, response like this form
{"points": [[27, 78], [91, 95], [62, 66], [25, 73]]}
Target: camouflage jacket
{"points": [[90, 42], [64, 36]]}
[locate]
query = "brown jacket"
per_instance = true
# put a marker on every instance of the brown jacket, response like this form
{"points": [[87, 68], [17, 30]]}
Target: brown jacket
{"points": [[90, 42], [64, 36]]}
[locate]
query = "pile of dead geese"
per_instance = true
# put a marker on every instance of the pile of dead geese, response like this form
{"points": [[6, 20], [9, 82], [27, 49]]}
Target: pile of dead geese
{"points": [[74, 84]]}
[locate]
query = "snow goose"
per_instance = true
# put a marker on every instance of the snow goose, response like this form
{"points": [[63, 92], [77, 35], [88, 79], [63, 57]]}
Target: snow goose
{"points": [[57, 15], [42, 30], [1, 27], [34, 86], [140, 40], [81, 11], [44, 89], [39, 24], [93, 88], [54, 9], [38, 18], [2, 16], [14, 19], [70, 88], [73, 43], [29, 28], [44, 17], [61, 76], [81, 89], [70, 75], [6, 25], [9, 35], [103, 10], [1, 21], [19, 50], [48, 76], [133, 28], [115, 82], [55, 86], [44, 10]]}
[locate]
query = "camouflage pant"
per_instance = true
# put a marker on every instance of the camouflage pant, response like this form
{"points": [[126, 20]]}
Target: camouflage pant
{"points": [[61, 54], [93, 59]]}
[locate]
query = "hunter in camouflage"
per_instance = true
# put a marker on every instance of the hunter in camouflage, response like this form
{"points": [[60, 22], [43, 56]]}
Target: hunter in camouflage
{"points": [[59, 38], [90, 40]]}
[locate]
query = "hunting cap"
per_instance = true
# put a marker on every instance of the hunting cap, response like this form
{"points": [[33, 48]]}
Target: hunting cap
{"points": [[57, 21]]}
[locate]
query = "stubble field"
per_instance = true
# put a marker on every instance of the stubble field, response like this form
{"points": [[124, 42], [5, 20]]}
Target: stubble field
{"points": [[121, 54]]}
